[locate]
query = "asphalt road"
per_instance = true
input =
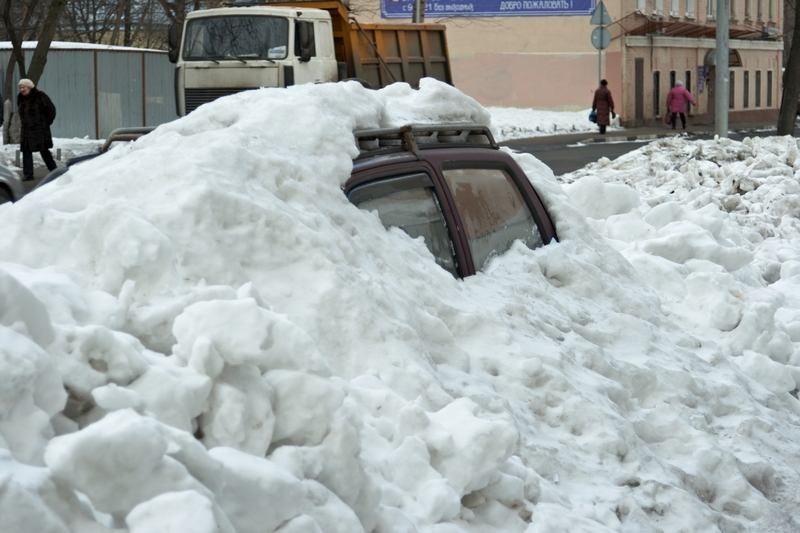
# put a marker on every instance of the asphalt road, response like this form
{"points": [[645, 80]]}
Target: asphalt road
{"points": [[568, 153], [564, 158]]}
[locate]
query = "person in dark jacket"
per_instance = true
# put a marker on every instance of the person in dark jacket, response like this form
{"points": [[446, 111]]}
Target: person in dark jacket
{"points": [[603, 103], [36, 114]]}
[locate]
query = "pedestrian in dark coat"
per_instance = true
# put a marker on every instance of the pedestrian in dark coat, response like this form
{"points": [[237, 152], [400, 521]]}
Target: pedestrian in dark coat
{"points": [[604, 104], [36, 114]]}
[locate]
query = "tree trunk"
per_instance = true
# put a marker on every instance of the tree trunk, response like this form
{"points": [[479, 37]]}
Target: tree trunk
{"points": [[16, 44], [126, 38], [791, 83], [45, 38]]}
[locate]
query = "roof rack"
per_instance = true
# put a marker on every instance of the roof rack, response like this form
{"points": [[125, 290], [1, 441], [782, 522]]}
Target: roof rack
{"points": [[125, 134], [415, 136]]}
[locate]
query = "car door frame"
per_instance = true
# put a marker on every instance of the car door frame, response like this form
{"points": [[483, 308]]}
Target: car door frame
{"points": [[463, 258], [433, 162]]}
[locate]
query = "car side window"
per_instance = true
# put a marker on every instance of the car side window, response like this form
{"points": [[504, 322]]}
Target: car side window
{"points": [[410, 203], [492, 210]]}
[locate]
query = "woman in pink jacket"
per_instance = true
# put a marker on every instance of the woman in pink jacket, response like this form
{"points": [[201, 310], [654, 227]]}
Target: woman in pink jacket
{"points": [[676, 102]]}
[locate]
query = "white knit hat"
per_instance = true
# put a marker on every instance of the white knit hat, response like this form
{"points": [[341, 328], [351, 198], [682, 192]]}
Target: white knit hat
{"points": [[25, 82]]}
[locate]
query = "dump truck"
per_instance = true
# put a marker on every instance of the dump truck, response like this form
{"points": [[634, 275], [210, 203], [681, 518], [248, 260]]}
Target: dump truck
{"points": [[246, 46]]}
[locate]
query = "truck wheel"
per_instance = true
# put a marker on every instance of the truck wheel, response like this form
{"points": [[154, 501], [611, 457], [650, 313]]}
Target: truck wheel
{"points": [[364, 83], [5, 195]]}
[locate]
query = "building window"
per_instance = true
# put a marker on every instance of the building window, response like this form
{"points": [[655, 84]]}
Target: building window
{"points": [[746, 89], [748, 9], [759, 10], [769, 88], [711, 7], [770, 4], [641, 6], [690, 8], [674, 8], [732, 90], [672, 78], [657, 93], [733, 4], [688, 85], [658, 7], [758, 88]]}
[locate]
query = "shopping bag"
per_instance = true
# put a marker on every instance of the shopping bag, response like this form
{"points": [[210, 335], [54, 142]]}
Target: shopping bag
{"points": [[593, 116], [668, 118]]}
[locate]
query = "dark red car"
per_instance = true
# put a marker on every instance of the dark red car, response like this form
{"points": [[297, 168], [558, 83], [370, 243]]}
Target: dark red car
{"points": [[451, 185]]}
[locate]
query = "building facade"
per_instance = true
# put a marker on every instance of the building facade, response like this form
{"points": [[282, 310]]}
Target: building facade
{"points": [[549, 62]]}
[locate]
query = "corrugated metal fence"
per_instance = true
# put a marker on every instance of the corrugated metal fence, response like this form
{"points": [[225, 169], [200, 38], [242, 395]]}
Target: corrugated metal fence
{"points": [[96, 91]]}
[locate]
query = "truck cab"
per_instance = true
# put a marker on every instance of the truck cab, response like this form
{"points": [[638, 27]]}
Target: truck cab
{"points": [[227, 50], [286, 42]]}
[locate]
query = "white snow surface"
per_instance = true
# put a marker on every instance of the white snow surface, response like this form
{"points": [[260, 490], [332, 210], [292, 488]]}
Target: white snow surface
{"points": [[198, 333], [521, 123]]}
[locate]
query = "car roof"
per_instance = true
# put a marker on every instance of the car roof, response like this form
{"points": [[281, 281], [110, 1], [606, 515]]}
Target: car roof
{"points": [[417, 137], [391, 146]]}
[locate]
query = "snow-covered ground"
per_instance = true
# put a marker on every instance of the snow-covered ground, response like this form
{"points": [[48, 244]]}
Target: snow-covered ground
{"points": [[63, 149], [198, 333], [521, 123]]}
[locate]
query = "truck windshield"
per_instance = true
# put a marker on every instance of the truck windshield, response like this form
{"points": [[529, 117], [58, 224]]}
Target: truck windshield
{"points": [[236, 37]]}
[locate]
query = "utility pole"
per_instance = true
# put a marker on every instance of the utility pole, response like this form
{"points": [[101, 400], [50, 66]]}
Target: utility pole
{"points": [[418, 15], [723, 74], [601, 37]]}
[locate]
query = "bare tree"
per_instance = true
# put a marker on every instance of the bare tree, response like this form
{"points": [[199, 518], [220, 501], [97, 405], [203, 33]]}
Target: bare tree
{"points": [[49, 27], [17, 22], [39, 22], [87, 21], [791, 81]]}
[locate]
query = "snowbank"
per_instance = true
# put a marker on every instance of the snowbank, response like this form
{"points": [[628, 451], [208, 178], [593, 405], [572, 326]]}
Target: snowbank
{"points": [[199, 333]]}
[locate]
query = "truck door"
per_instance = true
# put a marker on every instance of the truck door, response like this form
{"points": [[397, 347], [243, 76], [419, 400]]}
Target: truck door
{"points": [[315, 61]]}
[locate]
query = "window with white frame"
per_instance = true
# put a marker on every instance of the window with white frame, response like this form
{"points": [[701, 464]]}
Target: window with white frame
{"points": [[746, 89], [657, 93], [733, 6], [748, 9], [690, 8], [674, 8], [641, 6], [771, 4], [758, 88], [711, 6], [769, 88], [760, 10], [658, 7]]}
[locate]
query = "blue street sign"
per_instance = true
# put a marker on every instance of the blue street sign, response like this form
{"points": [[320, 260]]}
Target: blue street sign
{"points": [[489, 8], [601, 16]]}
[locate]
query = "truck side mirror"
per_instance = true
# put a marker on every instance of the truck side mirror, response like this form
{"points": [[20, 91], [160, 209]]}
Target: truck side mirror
{"points": [[304, 47], [174, 41]]}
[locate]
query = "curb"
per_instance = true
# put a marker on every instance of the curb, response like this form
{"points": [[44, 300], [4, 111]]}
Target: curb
{"points": [[630, 138]]}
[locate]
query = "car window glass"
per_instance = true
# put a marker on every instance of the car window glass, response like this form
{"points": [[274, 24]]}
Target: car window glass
{"points": [[408, 204], [492, 210]]}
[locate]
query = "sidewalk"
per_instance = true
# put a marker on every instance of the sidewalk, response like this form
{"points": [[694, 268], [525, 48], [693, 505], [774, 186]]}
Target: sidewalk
{"points": [[642, 134]]}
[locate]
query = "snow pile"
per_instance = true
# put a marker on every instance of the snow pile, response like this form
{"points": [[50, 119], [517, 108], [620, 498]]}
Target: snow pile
{"points": [[63, 148], [510, 123], [198, 333]]}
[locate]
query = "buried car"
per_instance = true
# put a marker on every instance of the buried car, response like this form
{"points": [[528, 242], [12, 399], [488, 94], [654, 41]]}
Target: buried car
{"points": [[116, 136], [451, 185], [11, 188]]}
